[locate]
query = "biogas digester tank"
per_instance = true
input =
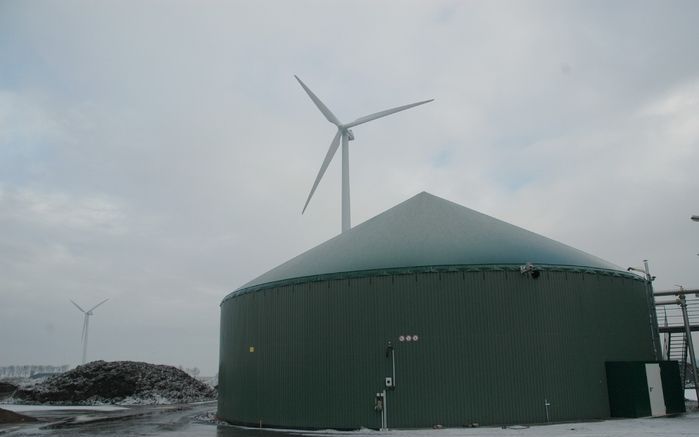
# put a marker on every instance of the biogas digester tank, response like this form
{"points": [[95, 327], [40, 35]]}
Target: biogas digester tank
{"points": [[474, 340]]}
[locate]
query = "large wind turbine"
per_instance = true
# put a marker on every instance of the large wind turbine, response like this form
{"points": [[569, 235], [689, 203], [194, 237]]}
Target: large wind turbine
{"points": [[345, 135], [86, 324]]}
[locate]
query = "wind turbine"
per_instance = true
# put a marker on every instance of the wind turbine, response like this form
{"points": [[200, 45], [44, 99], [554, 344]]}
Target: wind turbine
{"points": [[345, 135], [86, 324]]}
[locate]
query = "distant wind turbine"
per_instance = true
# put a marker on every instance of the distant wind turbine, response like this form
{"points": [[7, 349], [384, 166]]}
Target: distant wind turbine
{"points": [[345, 134], [86, 324]]}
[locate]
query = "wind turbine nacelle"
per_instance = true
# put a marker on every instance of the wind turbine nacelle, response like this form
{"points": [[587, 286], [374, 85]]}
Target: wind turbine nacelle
{"points": [[350, 134]]}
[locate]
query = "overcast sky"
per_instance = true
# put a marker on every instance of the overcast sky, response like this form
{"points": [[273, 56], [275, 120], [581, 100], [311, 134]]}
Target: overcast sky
{"points": [[159, 153]]}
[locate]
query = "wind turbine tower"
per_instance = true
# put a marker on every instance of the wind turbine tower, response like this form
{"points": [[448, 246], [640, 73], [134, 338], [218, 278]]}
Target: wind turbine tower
{"points": [[86, 324], [345, 135]]}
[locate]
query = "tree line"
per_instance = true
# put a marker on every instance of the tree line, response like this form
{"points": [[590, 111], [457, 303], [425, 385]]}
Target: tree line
{"points": [[26, 371]]}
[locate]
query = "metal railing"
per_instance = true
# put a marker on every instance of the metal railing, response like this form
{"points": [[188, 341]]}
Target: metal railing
{"points": [[677, 319]]}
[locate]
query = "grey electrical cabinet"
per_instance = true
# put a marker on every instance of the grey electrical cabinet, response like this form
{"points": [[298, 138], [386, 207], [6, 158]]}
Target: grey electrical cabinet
{"points": [[644, 388]]}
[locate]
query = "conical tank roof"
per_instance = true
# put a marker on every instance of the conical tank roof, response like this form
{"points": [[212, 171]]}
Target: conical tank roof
{"points": [[427, 230]]}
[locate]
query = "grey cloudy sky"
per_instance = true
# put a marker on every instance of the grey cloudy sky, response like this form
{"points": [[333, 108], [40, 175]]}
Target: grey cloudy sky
{"points": [[159, 153]]}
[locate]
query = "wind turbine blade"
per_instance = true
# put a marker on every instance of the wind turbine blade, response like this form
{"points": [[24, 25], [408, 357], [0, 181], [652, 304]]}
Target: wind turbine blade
{"points": [[328, 157], [90, 310], [374, 116], [77, 306], [324, 109]]}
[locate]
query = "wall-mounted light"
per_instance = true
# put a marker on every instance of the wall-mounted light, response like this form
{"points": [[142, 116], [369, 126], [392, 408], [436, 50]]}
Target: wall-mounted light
{"points": [[529, 270]]}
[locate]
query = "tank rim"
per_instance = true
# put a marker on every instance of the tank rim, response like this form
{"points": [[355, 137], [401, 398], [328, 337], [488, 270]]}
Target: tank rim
{"points": [[426, 269]]}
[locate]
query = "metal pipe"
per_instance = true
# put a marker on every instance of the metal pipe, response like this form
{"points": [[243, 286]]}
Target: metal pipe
{"points": [[667, 302], [650, 300], [393, 359], [675, 292], [384, 413]]}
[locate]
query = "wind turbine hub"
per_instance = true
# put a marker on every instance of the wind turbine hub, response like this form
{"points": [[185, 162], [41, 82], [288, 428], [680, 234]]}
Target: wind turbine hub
{"points": [[345, 134]]}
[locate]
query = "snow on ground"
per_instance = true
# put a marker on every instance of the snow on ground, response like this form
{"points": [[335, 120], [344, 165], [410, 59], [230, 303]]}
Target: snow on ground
{"points": [[24, 408], [679, 426], [200, 421], [690, 394]]}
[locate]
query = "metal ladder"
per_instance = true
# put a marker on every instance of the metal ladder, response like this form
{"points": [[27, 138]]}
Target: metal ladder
{"points": [[677, 351]]}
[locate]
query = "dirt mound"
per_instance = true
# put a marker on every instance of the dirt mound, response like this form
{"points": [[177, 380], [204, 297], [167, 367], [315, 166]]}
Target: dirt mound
{"points": [[118, 382], [6, 389], [11, 417]]}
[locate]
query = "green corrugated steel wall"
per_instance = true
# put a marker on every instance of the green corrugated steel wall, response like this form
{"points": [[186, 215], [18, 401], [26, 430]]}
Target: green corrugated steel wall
{"points": [[492, 346]]}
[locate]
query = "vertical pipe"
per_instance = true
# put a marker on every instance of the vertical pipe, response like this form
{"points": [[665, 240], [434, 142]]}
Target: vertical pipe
{"points": [[384, 414], [393, 359], [667, 337], [345, 184], [393, 382], [690, 342], [654, 338]]}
